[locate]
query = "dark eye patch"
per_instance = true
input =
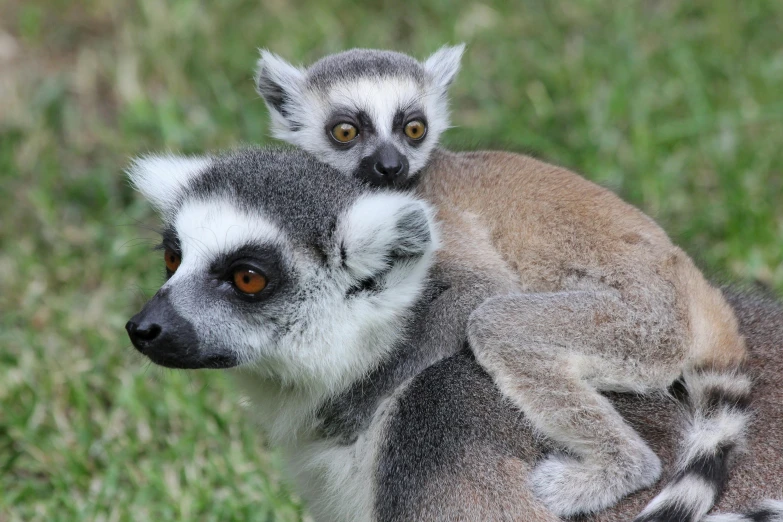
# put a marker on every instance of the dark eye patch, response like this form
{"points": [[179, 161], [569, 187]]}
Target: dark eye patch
{"points": [[399, 121], [169, 240], [267, 258], [365, 122]]}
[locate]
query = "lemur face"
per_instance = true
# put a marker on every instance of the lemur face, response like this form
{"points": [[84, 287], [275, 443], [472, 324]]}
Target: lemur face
{"points": [[374, 115], [279, 264]]}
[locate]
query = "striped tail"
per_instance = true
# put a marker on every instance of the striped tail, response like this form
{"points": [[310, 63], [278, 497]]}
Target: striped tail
{"points": [[718, 404], [767, 511]]}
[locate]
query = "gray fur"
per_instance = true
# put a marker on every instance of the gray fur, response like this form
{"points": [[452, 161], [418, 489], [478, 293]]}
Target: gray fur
{"points": [[605, 326], [275, 179], [430, 437], [361, 63], [474, 440], [549, 352], [292, 216]]}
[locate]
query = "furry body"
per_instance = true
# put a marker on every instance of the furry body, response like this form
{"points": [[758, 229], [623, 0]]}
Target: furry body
{"points": [[373, 425], [572, 291], [490, 443], [607, 302]]}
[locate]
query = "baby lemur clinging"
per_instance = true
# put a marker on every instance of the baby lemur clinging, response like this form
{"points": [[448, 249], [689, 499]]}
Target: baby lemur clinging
{"points": [[574, 291]]}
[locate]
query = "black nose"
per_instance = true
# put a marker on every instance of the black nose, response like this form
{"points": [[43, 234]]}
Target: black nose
{"points": [[144, 334], [385, 167], [167, 338], [389, 170]]}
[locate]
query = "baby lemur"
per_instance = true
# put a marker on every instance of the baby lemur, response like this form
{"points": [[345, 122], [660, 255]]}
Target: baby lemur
{"points": [[575, 292], [313, 290]]}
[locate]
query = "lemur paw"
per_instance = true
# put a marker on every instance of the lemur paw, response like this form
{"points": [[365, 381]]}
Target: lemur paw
{"points": [[569, 487]]}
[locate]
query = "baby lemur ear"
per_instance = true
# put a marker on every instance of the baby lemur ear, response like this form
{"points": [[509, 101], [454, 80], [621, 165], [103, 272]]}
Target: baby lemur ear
{"points": [[382, 229], [161, 178], [279, 83], [443, 65]]}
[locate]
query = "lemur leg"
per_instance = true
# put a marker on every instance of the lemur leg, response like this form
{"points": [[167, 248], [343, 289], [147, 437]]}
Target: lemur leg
{"points": [[550, 353], [447, 319], [498, 491], [472, 275]]}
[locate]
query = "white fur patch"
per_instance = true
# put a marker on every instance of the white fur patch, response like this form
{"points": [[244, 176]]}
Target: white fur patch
{"points": [[443, 65], [368, 230], [272, 73], [705, 435], [160, 179], [691, 492], [207, 229], [339, 480]]}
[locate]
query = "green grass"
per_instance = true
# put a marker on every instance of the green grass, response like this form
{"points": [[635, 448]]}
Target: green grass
{"points": [[676, 105]]}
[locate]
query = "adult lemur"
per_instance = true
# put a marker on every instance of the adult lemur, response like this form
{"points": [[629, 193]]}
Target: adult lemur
{"points": [[603, 301], [314, 289]]}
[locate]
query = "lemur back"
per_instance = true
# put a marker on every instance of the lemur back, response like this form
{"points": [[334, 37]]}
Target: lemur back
{"points": [[572, 291], [561, 232]]}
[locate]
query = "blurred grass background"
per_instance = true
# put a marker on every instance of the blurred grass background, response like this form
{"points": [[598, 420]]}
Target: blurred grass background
{"points": [[675, 105]]}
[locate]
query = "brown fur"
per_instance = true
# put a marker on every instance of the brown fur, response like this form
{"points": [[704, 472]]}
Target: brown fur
{"points": [[599, 299], [759, 473], [553, 228], [497, 491]]}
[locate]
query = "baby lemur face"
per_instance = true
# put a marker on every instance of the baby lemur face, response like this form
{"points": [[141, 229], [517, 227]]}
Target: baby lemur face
{"points": [[372, 114], [278, 263]]}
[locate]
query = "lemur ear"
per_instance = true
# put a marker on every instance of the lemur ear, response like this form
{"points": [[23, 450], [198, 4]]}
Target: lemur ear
{"points": [[160, 179], [382, 228], [443, 65], [278, 82]]}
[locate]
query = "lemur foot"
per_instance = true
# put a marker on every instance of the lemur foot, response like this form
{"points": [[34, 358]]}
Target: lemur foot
{"points": [[569, 487]]}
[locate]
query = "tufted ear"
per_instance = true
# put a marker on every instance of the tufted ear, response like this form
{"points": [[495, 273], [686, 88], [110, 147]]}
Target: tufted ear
{"points": [[160, 179], [443, 65], [280, 84], [383, 228]]}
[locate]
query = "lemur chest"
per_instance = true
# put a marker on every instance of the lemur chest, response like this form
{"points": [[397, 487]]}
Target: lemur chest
{"points": [[335, 480], [338, 480]]}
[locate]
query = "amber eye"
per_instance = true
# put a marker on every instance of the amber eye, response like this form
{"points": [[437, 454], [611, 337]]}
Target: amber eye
{"points": [[172, 260], [415, 129], [249, 281], [344, 132]]}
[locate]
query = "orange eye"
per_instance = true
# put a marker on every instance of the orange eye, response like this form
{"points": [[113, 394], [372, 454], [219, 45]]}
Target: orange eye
{"points": [[415, 129], [172, 260], [344, 132], [249, 281]]}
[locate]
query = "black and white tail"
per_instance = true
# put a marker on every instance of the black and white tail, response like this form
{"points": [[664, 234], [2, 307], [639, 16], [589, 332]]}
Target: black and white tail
{"points": [[718, 407], [767, 511]]}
